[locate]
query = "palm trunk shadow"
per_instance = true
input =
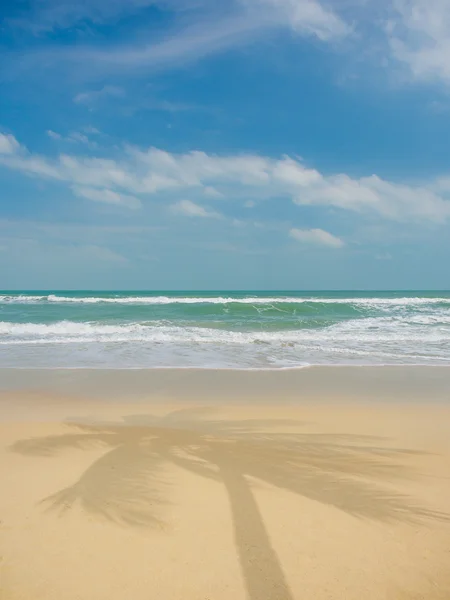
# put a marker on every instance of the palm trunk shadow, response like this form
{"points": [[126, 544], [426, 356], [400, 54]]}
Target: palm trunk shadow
{"points": [[263, 576]]}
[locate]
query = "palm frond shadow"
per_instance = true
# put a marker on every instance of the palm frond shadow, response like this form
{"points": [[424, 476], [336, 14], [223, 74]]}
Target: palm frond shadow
{"points": [[126, 484]]}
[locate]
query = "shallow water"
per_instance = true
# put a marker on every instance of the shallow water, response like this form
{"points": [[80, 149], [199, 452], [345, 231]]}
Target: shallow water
{"points": [[222, 329]]}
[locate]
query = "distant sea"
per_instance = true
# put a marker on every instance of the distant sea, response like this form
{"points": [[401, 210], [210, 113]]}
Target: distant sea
{"points": [[245, 330]]}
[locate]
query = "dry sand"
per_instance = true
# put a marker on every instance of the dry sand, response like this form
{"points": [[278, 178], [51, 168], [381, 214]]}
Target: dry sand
{"points": [[172, 495]]}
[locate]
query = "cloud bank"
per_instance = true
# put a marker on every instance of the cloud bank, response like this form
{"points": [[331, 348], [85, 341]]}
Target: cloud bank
{"points": [[153, 172]]}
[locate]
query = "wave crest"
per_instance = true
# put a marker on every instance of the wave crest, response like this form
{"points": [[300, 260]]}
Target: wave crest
{"points": [[254, 300]]}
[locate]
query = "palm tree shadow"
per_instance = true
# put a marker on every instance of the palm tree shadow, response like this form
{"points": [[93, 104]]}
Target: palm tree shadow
{"points": [[126, 484]]}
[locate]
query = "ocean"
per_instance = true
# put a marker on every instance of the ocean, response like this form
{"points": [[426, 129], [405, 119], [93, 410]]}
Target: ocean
{"points": [[238, 330]]}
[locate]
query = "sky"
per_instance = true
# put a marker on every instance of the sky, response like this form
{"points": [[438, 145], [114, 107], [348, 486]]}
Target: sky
{"points": [[225, 144]]}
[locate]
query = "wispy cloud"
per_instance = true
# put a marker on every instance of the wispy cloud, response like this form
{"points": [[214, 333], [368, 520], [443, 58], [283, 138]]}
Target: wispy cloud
{"points": [[305, 17], [413, 33], [191, 209], [44, 16], [168, 106], [74, 137], [139, 173], [92, 97], [107, 196], [53, 135], [209, 31], [316, 237]]}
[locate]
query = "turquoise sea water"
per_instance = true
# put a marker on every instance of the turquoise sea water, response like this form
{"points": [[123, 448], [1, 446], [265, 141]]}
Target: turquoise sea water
{"points": [[222, 329]]}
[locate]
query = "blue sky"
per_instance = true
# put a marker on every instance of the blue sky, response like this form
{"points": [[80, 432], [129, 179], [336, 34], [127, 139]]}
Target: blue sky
{"points": [[239, 144]]}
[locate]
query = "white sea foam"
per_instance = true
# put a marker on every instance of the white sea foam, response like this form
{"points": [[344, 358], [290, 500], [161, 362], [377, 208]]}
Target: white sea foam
{"points": [[21, 299], [137, 345], [375, 330], [157, 300]]}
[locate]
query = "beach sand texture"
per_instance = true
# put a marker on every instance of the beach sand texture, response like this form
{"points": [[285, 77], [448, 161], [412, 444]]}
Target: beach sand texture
{"points": [[187, 498]]}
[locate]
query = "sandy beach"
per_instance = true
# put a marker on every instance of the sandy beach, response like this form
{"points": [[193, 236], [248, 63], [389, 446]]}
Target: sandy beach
{"points": [[317, 483]]}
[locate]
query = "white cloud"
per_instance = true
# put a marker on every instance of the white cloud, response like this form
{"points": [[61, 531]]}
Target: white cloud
{"points": [[247, 178], [53, 135], [74, 136], [419, 35], [107, 196], [191, 209], [306, 17], [373, 194], [8, 144], [293, 172], [317, 237], [91, 97]]}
